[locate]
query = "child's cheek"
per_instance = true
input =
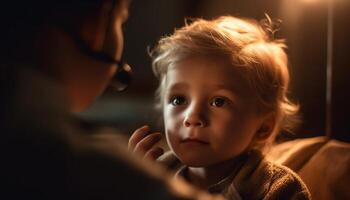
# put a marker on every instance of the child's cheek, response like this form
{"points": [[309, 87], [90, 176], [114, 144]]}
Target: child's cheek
{"points": [[171, 123], [169, 116], [172, 119]]}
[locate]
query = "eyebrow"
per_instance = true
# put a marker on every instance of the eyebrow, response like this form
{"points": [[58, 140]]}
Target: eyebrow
{"points": [[225, 87], [181, 85], [185, 86], [178, 86]]}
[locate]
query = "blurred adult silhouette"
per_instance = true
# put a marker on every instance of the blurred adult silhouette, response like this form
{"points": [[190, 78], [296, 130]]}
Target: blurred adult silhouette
{"points": [[57, 56]]}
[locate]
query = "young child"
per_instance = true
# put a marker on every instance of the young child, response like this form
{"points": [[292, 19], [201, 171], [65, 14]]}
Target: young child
{"points": [[223, 92]]}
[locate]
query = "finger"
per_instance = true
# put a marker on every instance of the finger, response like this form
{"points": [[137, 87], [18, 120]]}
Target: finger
{"points": [[154, 153], [137, 136], [147, 143]]}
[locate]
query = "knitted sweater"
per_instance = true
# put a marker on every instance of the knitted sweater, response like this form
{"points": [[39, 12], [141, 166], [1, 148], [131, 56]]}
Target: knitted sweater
{"points": [[253, 178]]}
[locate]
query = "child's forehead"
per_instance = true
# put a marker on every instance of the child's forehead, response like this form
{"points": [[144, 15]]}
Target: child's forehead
{"points": [[213, 73], [210, 68]]}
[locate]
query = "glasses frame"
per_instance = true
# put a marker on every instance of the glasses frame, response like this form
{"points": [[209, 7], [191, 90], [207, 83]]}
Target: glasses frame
{"points": [[123, 69]]}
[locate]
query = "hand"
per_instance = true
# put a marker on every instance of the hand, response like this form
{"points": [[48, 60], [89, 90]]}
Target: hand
{"points": [[142, 142]]}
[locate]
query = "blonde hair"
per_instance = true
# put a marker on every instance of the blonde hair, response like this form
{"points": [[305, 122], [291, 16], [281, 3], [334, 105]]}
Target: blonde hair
{"points": [[261, 60]]}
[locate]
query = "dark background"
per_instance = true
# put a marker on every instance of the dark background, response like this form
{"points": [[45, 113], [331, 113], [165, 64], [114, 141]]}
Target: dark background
{"points": [[304, 27]]}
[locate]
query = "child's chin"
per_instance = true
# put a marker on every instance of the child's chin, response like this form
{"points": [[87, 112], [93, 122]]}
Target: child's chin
{"points": [[195, 162]]}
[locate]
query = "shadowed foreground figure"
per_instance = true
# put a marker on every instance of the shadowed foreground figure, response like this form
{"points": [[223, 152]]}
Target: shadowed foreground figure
{"points": [[57, 56]]}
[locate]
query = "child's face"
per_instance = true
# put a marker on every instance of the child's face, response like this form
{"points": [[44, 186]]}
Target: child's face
{"points": [[209, 111]]}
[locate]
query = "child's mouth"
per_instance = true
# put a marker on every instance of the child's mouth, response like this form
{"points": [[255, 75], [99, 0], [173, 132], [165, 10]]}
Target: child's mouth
{"points": [[194, 141]]}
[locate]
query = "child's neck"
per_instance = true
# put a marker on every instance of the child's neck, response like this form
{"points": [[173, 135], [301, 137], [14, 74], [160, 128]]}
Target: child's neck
{"points": [[204, 177]]}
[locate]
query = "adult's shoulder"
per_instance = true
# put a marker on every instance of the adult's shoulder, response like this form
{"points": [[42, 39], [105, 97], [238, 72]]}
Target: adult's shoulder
{"points": [[46, 154]]}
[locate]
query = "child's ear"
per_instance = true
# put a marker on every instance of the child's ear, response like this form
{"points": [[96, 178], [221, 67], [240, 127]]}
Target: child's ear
{"points": [[266, 128]]}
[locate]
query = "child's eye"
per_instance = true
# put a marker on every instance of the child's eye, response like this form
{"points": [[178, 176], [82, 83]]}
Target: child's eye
{"points": [[218, 102], [178, 100]]}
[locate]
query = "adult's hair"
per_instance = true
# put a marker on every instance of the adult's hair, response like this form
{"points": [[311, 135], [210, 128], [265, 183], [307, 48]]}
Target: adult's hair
{"points": [[21, 19]]}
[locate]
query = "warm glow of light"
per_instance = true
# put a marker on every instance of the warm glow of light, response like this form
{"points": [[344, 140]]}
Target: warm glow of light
{"points": [[311, 1]]}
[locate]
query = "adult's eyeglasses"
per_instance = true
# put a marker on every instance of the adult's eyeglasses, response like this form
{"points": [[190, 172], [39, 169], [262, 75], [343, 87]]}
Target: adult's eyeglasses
{"points": [[122, 78]]}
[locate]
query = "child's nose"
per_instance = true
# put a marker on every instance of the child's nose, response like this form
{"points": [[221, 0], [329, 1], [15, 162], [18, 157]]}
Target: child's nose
{"points": [[193, 122], [195, 118]]}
